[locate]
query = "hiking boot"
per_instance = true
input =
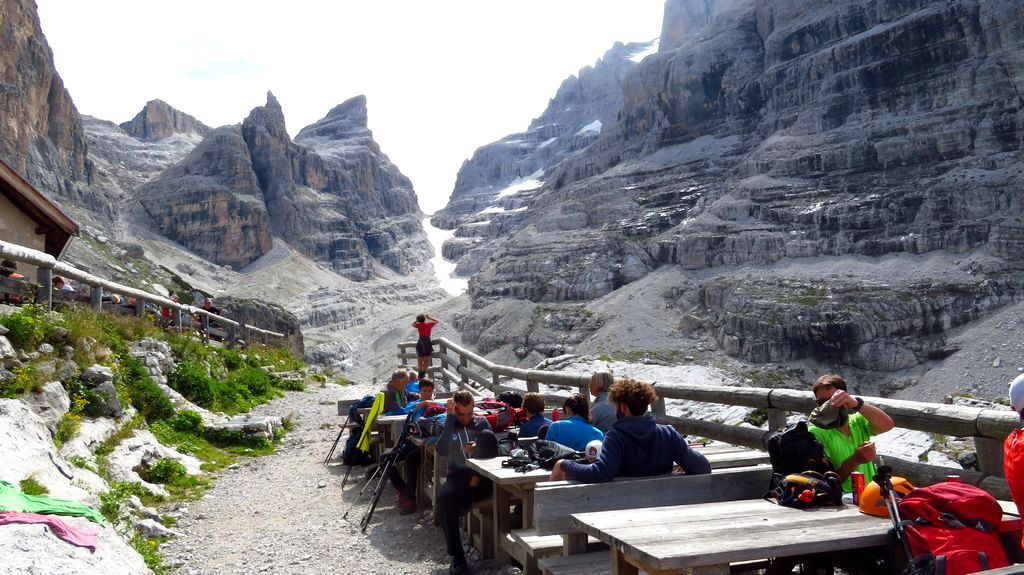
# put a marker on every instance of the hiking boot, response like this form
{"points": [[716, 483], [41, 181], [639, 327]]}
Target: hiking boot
{"points": [[458, 568]]}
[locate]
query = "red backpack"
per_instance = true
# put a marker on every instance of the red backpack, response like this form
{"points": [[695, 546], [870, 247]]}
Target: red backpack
{"points": [[499, 414], [952, 529]]}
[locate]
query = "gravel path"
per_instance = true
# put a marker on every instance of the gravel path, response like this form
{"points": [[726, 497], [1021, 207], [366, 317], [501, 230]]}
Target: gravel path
{"points": [[282, 513]]}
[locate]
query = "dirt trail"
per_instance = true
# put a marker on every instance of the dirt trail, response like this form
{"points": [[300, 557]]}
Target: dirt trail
{"points": [[283, 513]]}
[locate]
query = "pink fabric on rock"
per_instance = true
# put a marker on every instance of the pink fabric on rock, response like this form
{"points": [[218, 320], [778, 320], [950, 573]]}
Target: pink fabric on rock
{"points": [[79, 537]]}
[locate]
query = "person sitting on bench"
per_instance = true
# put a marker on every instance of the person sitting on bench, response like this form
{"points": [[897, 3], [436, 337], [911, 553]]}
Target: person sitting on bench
{"points": [[395, 396], [412, 454], [602, 412], [843, 425], [463, 432], [533, 407], [636, 446], [574, 432]]}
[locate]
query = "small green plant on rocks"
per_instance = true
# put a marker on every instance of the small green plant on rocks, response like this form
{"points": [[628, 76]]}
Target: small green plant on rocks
{"points": [[164, 471], [30, 486]]}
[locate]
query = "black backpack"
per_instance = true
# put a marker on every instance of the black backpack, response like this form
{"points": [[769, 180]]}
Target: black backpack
{"points": [[511, 398], [795, 450], [351, 455]]}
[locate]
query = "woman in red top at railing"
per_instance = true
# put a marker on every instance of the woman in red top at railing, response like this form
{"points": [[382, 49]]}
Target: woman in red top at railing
{"points": [[423, 324]]}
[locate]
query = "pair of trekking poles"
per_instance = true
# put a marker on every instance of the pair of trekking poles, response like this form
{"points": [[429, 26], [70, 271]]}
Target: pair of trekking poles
{"points": [[381, 474]]}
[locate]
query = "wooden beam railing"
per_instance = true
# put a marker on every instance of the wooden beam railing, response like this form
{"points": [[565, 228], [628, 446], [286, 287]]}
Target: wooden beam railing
{"points": [[47, 267], [988, 426]]}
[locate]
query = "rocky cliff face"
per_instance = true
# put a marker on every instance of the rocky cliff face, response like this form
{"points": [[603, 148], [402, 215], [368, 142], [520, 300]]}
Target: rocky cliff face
{"points": [[211, 202], [332, 194], [493, 188], [42, 136], [158, 120], [766, 132]]}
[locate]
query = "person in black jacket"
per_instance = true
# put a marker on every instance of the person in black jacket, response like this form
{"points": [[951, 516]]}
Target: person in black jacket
{"points": [[465, 434], [635, 446]]}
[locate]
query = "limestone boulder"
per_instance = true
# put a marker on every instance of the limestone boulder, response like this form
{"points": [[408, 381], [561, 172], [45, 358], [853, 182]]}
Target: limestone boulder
{"points": [[143, 448], [29, 452], [42, 553], [49, 402]]}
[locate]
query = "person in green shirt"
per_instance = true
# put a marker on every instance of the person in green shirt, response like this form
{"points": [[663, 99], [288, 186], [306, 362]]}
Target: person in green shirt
{"points": [[844, 425]]}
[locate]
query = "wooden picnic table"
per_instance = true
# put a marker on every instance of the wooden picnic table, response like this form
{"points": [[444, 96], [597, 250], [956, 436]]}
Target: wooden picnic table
{"points": [[707, 537], [508, 484]]}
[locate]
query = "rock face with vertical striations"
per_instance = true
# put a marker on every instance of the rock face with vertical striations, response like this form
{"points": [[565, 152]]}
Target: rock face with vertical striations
{"points": [[158, 120], [769, 132], [331, 194], [42, 136], [494, 186], [211, 202]]}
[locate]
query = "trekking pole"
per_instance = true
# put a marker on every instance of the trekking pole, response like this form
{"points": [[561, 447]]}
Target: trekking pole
{"points": [[369, 481], [399, 446], [335, 446], [883, 477]]}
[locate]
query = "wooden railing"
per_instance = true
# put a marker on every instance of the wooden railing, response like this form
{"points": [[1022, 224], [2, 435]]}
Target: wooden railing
{"points": [[47, 266], [988, 427]]}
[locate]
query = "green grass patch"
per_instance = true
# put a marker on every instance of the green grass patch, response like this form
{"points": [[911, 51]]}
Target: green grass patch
{"points": [[757, 417], [114, 502], [808, 296], [184, 437], [148, 549], [29, 486], [82, 463], [143, 393]]}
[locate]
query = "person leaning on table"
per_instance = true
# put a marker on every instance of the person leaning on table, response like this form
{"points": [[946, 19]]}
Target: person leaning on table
{"points": [[636, 446]]}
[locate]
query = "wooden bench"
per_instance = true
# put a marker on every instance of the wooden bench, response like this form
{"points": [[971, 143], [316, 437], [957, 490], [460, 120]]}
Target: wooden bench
{"points": [[554, 502]]}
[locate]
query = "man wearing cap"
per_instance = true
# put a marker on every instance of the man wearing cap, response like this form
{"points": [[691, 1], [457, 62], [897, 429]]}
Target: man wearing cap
{"points": [[1013, 447], [843, 425]]}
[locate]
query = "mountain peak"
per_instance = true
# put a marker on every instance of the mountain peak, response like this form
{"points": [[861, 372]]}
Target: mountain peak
{"points": [[343, 121], [159, 120]]}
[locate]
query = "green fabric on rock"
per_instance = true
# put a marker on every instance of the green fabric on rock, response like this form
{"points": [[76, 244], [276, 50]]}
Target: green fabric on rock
{"points": [[12, 499]]}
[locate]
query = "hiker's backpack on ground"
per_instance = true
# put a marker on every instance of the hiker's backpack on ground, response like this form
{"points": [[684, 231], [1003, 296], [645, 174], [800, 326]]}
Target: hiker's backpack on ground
{"points": [[351, 455], [499, 414], [795, 450], [952, 529]]}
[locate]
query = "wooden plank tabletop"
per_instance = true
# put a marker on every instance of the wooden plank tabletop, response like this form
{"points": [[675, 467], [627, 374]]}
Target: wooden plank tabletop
{"points": [[705, 534], [492, 469]]}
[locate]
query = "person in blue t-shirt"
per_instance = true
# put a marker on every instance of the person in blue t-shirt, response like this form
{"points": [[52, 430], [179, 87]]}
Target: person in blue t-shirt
{"points": [[533, 407], [576, 431]]}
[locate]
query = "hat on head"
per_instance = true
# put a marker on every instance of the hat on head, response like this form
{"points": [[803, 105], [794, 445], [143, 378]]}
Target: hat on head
{"points": [[1017, 393]]}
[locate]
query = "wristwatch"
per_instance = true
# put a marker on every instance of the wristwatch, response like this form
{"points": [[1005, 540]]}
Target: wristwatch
{"points": [[860, 404]]}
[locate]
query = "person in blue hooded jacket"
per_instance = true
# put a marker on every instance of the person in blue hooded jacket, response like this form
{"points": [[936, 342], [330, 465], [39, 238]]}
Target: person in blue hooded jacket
{"points": [[574, 432], [636, 446]]}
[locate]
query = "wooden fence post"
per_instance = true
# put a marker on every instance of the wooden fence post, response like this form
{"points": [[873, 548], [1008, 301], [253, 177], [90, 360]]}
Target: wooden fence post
{"points": [[443, 350], [401, 352], [532, 386], [776, 418], [96, 297], [232, 335], [463, 362], [206, 329], [658, 408], [44, 295], [177, 319], [990, 456], [140, 307]]}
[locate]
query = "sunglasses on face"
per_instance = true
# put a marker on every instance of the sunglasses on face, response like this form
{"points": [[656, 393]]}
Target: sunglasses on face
{"points": [[822, 400]]}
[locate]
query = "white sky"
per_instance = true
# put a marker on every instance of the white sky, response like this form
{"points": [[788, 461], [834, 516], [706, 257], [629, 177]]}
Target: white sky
{"points": [[442, 78]]}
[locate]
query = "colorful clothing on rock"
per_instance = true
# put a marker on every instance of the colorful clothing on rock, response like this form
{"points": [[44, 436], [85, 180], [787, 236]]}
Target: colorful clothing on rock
{"points": [[87, 538], [12, 499]]}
